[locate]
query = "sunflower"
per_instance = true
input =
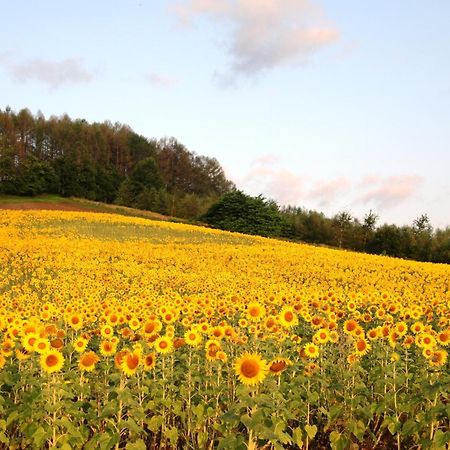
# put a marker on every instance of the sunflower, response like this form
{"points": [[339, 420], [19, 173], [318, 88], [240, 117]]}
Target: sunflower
{"points": [[80, 344], [255, 311], [88, 361], [393, 338], [243, 323], [362, 347], [163, 345], [279, 365], [401, 328], [427, 340], [130, 362], [2, 361], [42, 345], [134, 323], [107, 331], [287, 317], [57, 343], [149, 361], [52, 361], [322, 336], [169, 317], [193, 338], [417, 327], [221, 356], [443, 337], [352, 358], [217, 332], [29, 340], [251, 368], [119, 356], [311, 369], [311, 350], [408, 341], [373, 334], [113, 319], [107, 347], [438, 358], [350, 326], [204, 327], [75, 321], [22, 354]]}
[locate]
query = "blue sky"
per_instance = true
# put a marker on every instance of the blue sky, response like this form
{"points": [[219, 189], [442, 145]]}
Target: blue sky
{"points": [[327, 105]]}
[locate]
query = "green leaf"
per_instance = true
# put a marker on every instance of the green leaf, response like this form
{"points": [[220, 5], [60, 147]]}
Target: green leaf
{"points": [[199, 412], [154, 424], [234, 441], [107, 441], [3, 438], [358, 429], [65, 446], [230, 418], [12, 418], [201, 439], [133, 426], [338, 441], [410, 427], [278, 431], [311, 431], [334, 413], [137, 445], [297, 436], [441, 439], [39, 437], [313, 397], [172, 434]]}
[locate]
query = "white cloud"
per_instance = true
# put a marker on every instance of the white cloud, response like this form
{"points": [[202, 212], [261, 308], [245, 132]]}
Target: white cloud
{"points": [[269, 176], [265, 33], [325, 191], [386, 192], [49, 72]]}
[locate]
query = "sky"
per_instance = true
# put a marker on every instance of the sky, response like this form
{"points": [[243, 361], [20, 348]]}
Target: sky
{"points": [[325, 105]]}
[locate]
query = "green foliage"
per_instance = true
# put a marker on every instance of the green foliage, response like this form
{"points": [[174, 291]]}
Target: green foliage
{"points": [[236, 211]]}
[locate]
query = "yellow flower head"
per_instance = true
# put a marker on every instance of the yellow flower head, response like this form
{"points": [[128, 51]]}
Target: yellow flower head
{"points": [[163, 345], [52, 361], [88, 361], [251, 368]]}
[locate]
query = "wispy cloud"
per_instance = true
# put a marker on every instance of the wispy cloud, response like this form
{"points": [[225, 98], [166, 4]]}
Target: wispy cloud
{"points": [[161, 80], [386, 192], [265, 34], [278, 183], [52, 73], [325, 191], [268, 175]]}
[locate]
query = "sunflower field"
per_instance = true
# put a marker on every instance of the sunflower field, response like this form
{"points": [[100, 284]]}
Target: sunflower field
{"points": [[120, 332]]}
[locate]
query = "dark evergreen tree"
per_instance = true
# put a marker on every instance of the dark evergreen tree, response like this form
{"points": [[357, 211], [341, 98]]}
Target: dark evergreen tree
{"points": [[236, 211]]}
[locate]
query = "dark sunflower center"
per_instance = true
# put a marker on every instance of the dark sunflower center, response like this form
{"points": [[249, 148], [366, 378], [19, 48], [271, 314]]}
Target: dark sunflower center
{"points": [[250, 369], [51, 360]]}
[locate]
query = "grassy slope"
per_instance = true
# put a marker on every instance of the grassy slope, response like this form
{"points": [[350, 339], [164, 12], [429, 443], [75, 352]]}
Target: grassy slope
{"points": [[85, 204]]}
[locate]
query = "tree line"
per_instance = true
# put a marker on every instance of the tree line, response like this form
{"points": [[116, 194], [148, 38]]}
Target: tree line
{"points": [[236, 211], [105, 162], [111, 163]]}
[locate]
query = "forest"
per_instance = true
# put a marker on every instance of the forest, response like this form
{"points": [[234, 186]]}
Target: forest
{"points": [[111, 163], [105, 162]]}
